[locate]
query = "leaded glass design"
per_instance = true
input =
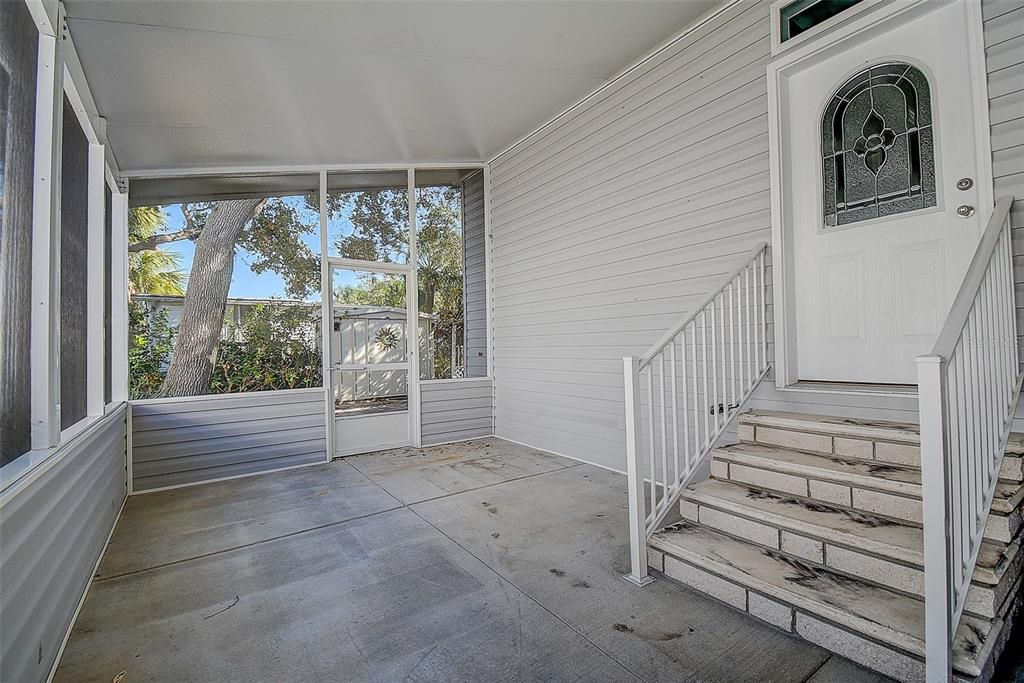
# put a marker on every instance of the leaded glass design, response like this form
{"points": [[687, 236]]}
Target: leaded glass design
{"points": [[878, 149]]}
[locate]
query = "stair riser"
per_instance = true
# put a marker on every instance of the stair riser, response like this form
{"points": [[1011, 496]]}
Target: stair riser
{"points": [[869, 500], [1002, 528], [1011, 469], [982, 601], [884, 572], [866, 652]]}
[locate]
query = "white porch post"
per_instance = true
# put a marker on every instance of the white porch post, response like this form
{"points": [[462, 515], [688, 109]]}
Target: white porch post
{"points": [[45, 330], [635, 478], [95, 289], [938, 631]]}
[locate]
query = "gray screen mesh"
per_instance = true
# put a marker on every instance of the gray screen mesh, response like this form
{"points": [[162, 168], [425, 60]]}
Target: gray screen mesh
{"points": [[18, 52], [74, 261]]}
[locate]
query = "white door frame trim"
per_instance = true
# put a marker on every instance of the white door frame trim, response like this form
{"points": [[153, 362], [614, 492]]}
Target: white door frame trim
{"points": [[786, 352]]}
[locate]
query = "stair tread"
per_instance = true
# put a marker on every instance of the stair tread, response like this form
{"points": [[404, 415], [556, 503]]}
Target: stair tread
{"points": [[846, 526], [881, 614], [890, 478], [884, 430]]}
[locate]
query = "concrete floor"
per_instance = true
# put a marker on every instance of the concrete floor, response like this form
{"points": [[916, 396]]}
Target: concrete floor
{"points": [[482, 560]]}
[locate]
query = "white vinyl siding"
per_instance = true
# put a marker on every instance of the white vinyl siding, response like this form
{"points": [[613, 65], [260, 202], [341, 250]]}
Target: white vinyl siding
{"points": [[616, 219], [53, 532], [474, 291], [455, 410], [176, 442], [1004, 51]]}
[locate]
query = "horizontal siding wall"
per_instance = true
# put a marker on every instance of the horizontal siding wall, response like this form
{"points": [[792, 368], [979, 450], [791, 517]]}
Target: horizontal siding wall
{"points": [[1004, 49], [456, 410], [53, 530], [612, 222], [474, 289], [176, 442]]}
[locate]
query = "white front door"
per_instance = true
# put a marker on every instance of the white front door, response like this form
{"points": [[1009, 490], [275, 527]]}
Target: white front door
{"points": [[878, 153]]}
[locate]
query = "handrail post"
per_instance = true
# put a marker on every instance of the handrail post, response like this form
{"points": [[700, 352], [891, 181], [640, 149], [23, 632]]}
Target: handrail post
{"points": [[938, 607], [634, 475]]}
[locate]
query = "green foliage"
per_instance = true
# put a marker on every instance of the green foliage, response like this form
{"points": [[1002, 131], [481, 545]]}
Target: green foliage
{"points": [[153, 271], [150, 342], [274, 239], [379, 223], [374, 290], [277, 350], [275, 347]]}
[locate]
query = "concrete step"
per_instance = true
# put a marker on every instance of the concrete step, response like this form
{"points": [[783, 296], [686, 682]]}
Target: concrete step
{"points": [[884, 489], [874, 626], [868, 546], [876, 440]]}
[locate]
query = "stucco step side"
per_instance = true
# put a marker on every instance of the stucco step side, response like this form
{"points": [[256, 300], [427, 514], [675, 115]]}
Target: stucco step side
{"points": [[873, 626], [882, 489], [867, 546], [878, 440]]}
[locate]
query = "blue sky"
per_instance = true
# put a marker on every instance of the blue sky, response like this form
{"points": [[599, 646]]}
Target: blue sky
{"points": [[244, 282]]}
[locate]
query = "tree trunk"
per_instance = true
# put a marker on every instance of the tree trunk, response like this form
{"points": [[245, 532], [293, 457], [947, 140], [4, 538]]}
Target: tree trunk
{"points": [[429, 292], [202, 313]]}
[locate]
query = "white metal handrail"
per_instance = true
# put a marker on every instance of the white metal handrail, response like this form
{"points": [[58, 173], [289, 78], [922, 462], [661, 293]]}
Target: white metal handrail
{"points": [[681, 395], [967, 394]]}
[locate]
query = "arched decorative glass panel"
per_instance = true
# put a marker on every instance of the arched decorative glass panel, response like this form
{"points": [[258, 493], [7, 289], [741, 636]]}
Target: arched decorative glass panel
{"points": [[878, 150]]}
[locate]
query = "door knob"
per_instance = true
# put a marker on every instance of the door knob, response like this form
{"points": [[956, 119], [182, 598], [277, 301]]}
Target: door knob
{"points": [[964, 184], [965, 211]]}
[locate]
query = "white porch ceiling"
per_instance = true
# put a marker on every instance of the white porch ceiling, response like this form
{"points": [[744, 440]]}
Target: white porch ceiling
{"points": [[211, 83]]}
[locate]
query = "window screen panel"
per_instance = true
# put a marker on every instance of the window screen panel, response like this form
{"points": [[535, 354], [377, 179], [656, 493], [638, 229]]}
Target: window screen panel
{"points": [[74, 262], [18, 53]]}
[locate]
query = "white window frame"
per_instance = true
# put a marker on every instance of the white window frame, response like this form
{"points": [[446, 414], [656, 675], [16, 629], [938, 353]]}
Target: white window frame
{"points": [[59, 74], [829, 24]]}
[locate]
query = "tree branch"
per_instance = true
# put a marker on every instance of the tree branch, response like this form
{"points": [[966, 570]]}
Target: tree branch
{"points": [[151, 243], [190, 232]]}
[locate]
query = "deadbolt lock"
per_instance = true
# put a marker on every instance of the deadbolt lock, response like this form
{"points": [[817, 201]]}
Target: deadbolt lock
{"points": [[964, 184], [965, 211]]}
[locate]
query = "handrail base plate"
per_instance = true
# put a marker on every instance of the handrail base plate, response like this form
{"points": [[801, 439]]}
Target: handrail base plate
{"points": [[638, 581]]}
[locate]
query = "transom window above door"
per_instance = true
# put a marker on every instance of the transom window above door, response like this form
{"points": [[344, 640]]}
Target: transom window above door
{"points": [[878, 150]]}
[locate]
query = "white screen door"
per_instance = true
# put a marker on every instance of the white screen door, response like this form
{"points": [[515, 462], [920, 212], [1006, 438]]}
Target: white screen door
{"points": [[371, 352]]}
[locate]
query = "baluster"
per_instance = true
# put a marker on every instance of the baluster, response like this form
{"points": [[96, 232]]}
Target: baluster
{"points": [[686, 417], [1006, 335], [764, 308], [704, 367], [675, 414], [992, 381], [1008, 264], [758, 295], [724, 412], [714, 371], [955, 406], [721, 413], [650, 421], [696, 398], [977, 415], [1011, 312], [744, 327], [664, 432], [732, 345]]}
